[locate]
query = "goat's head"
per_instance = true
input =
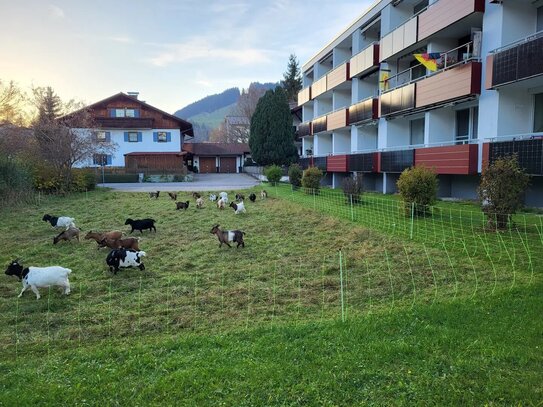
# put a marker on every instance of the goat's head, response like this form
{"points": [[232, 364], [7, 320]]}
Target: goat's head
{"points": [[15, 269], [46, 217], [129, 221], [215, 229]]}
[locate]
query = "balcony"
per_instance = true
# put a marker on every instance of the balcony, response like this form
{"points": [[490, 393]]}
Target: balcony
{"points": [[304, 163], [125, 122], [337, 76], [304, 95], [363, 162], [399, 39], [337, 163], [365, 62], [364, 111], [318, 87], [529, 152], [319, 125], [320, 162], [397, 100], [304, 129], [337, 119], [457, 160], [396, 161], [443, 13], [515, 62]]}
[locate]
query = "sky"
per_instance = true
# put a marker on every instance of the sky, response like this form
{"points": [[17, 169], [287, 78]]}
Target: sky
{"points": [[174, 52]]}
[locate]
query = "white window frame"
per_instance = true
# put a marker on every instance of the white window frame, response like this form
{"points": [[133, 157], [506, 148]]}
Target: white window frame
{"points": [[130, 134], [101, 136]]}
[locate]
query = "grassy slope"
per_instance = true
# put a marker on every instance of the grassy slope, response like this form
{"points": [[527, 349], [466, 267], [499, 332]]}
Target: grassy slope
{"points": [[457, 351], [213, 119]]}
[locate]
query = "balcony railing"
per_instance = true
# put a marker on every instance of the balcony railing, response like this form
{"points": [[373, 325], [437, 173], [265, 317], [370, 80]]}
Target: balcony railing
{"points": [[304, 129], [398, 39], [366, 61], [319, 124], [337, 119], [304, 96], [366, 110], [529, 152], [319, 87], [125, 122], [337, 76]]}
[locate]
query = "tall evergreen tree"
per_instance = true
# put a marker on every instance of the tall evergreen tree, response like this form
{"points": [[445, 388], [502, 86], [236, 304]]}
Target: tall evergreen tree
{"points": [[292, 79], [272, 136]]}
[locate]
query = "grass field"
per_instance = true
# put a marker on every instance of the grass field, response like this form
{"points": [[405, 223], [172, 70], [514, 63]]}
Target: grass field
{"points": [[427, 320]]}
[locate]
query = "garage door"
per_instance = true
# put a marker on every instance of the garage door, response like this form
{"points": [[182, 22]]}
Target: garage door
{"points": [[207, 165], [228, 165]]}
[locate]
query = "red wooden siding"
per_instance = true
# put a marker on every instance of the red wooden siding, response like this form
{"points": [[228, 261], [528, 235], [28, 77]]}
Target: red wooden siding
{"points": [[337, 163], [377, 162], [463, 80], [486, 154], [459, 160], [444, 13], [489, 70]]}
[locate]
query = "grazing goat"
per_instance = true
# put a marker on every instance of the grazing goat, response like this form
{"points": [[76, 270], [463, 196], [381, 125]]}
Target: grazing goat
{"points": [[154, 194], [199, 203], [182, 205], [59, 221], [124, 258], [141, 224], [238, 208], [98, 237], [240, 197], [263, 194], [252, 197], [224, 197], [226, 236], [173, 195], [196, 195], [126, 243], [38, 277], [212, 197], [221, 204], [67, 235]]}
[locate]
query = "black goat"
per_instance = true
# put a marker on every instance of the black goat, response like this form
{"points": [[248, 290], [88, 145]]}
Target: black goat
{"points": [[252, 197], [141, 224], [182, 205]]}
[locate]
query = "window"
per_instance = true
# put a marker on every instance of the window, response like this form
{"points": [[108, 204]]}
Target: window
{"points": [[467, 121], [539, 22], [124, 112], [162, 137], [101, 159], [418, 70], [420, 6], [132, 137], [538, 113], [130, 112], [101, 136], [416, 128]]}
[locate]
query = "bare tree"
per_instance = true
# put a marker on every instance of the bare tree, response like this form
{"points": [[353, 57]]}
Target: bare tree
{"points": [[66, 134], [12, 104]]}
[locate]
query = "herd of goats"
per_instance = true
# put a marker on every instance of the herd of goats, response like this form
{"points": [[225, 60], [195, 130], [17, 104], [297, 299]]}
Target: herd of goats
{"points": [[125, 251]]}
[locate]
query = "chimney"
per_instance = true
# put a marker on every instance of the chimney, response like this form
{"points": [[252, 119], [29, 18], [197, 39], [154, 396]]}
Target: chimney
{"points": [[133, 94]]}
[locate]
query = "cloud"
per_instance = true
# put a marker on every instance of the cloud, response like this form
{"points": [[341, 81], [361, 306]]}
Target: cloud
{"points": [[55, 11], [121, 39]]}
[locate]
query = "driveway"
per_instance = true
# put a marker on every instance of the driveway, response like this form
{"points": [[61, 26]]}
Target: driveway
{"points": [[202, 182]]}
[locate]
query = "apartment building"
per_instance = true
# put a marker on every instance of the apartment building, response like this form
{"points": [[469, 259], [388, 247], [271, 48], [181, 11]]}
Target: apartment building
{"points": [[369, 106]]}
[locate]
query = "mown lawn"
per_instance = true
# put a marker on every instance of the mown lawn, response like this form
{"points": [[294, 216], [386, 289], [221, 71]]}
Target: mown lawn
{"points": [[424, 323]]}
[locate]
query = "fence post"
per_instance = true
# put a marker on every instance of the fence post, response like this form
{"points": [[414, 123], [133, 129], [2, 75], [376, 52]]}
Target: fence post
{"points": [[412, 219], [314, 203], [352, 212], [341, 286]]}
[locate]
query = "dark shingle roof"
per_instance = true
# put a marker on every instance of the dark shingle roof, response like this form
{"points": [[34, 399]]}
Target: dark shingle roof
{"points": [[216, 148]]}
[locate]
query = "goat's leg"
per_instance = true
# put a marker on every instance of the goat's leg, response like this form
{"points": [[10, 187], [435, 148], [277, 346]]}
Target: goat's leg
{"points": [[67, 287], [35, 290], [23, 290]]}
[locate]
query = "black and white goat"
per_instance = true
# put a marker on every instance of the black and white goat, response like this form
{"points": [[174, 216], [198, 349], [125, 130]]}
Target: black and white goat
{"points": [[118, 258], [226, 236], [263, 194], [141, 224], [212, 197], [240, 197], [154, 194], [238, 208], [39, 277], [59, 221]]}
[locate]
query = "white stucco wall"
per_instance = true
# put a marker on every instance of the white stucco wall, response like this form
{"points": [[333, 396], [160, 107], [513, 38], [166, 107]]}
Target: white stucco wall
{"points": [[439, 126]]}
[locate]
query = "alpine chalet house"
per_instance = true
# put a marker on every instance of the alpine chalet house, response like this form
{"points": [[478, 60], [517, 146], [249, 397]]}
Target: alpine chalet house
{"points": [[147, 138], [450, 84]]}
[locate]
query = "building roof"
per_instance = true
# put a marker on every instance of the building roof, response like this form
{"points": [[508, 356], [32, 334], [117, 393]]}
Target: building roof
{"points": [[177, 153], [216, 148]]}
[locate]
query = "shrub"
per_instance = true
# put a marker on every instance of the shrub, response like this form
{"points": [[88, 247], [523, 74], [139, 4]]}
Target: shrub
{"points": [[15, 181], [312, 179], [273, 173], [352, 186], [295, 175], [83, 180], [501, 190], [418, 185], [44, 178]]}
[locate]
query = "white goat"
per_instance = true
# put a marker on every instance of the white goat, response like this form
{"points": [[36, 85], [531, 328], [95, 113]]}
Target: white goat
{"points": [[221, 204], [37, 277], [224, 197], [200, 203]]}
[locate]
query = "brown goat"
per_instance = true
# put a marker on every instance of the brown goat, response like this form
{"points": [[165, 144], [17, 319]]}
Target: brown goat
{"points": [[226, 236], [127, 243], [99, 236], [67, 235], [173, 195], [196, 195]]}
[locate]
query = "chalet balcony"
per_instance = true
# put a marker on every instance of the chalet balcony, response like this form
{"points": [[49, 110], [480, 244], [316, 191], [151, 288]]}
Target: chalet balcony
{"points": [[125, 122], [515, 62], [457, 160], [337, 119], [444, 13], [319, 125], [528, 148], [396, 41], [319, 87], [365, 62], [304, 95], [337, 76], [364, 111]]}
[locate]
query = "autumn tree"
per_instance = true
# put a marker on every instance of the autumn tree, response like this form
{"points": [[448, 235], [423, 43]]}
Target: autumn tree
{"points": [[272, 136], [292, 79], [12, 104]]}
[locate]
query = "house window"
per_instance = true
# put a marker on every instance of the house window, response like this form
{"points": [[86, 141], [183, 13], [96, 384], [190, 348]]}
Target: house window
{"points": [[124, 112], [416, 131], [101, 136], [132, 136], [162, 137], [420, 6], [467, 121], [130, 112], [101, 159]]}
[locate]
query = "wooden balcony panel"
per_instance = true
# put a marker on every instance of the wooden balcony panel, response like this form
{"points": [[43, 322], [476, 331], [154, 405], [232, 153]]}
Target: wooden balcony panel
{"points": [[337, 120], [318, 125], [363, 111], [364, 61], [125, 122], [399, 39], [457, 160], [398, 100], [304, 129], [385, 47], [319, 87], [337, 163], [304, 96], [444, 13], [463, 80], [337, 76]]}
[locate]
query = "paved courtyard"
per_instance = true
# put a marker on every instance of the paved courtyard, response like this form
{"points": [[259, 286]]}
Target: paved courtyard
{"points": [[202, 182]]}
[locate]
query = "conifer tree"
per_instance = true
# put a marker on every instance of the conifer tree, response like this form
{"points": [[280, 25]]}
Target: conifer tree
{"points": [[292, 79]]}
